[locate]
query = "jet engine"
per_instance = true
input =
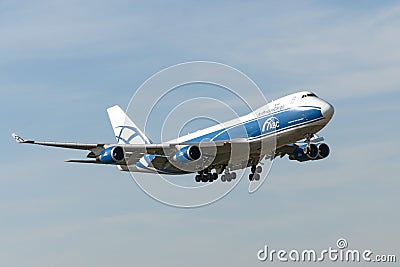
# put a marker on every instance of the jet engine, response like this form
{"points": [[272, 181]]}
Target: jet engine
{"points": [[312, 152], [323, 150], [111, 155], [187, 154], [304, 153]]}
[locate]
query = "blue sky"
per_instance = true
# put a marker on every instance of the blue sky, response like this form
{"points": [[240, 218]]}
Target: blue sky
{"points": [[63, 63]]}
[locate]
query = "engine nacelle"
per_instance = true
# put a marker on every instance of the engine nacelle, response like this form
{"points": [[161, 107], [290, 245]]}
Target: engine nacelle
{"points": [[323, 150], [304, 153], [111, 155], [187, 153], [314, 152]]}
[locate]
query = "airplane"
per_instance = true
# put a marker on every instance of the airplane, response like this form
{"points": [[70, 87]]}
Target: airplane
{"points": [[284, 122]]}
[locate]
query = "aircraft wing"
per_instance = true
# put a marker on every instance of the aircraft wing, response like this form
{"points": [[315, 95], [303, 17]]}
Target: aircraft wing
{"points": [[220, 150], [132, 151], [57, 144]]}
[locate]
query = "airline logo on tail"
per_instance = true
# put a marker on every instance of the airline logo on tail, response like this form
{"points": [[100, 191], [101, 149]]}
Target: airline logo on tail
{"points": [[125, 129], [127, 135]]}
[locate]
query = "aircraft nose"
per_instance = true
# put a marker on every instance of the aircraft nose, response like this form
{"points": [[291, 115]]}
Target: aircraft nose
{"points": [[327, 111]]}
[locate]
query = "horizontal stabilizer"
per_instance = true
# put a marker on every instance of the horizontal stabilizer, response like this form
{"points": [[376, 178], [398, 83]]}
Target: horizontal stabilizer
{"points": [[83, 161]]}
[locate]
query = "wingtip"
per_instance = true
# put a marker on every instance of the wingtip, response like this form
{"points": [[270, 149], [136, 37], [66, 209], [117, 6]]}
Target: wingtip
{"points": [[17, 138]]}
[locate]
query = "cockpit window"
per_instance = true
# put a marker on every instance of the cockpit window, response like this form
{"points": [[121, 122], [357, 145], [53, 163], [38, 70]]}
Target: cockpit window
{"points": [[310, 94]]}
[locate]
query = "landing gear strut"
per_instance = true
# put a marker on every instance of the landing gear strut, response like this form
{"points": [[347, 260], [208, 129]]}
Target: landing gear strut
{"points": [[255, 173], [308, 141]]}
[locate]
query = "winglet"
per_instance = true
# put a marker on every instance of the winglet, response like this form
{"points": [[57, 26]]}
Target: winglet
{"points": [[18, 138]]}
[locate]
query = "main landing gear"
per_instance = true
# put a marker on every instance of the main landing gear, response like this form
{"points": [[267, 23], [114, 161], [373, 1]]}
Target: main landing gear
{"points": [[255, 173], [228, 176], [206, 176]]}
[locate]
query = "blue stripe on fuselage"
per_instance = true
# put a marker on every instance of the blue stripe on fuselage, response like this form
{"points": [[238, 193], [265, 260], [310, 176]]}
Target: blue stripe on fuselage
{"points": [[269, 124]]}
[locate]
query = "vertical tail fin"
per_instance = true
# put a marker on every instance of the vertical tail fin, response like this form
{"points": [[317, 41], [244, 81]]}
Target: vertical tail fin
{"points": [[125, 130]]}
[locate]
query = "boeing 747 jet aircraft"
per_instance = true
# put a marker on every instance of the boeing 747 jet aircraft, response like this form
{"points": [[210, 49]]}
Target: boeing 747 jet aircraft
{"points": [[284, 122]]}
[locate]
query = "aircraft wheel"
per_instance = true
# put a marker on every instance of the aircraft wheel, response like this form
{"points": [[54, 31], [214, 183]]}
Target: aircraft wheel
{"points": [[215, 176], [253, 169], [223, 178], [256, 176], [197, 178], [251, 176], [259, 169], [233, 175]]}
